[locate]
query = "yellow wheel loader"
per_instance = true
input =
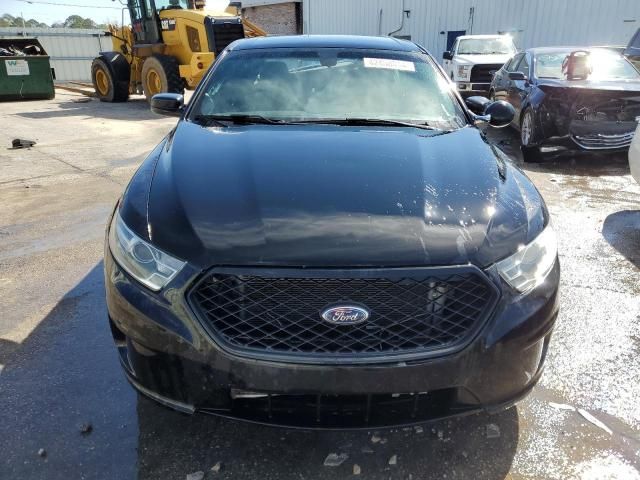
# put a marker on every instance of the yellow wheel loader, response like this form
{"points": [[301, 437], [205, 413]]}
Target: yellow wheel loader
{"points": [[168, 47]]}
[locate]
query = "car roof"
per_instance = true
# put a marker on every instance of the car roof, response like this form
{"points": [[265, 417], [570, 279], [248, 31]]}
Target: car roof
{"points": [[326, 41]]}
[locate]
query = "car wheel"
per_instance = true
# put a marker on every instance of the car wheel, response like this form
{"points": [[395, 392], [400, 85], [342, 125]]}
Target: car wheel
{"points": [[530, 151], [160, 74], [108, 88]]}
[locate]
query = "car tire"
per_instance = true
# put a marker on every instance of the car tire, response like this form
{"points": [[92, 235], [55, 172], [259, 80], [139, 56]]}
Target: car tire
{"points": [[161, 74], [107, 88], [530, 151]]}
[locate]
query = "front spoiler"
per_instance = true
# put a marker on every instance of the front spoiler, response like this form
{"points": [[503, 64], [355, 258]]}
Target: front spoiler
{"points": [[168, 357], [292, 421]]}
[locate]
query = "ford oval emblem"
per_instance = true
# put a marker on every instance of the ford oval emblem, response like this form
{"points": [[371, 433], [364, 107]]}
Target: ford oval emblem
{"points": [[345, 315]]}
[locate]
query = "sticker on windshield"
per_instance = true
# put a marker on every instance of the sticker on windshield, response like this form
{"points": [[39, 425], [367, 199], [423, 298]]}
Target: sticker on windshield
{"points": [[390, 64]]}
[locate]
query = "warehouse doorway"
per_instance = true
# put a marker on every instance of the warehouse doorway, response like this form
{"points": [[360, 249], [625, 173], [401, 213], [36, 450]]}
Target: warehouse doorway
{"points": [[451, 37]]}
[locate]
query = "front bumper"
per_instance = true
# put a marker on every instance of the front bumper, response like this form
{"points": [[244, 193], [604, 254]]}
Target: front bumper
{"points": [[473, 88], [168, 356]]}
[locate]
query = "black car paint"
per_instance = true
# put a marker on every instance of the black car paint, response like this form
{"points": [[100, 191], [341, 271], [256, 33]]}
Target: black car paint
{"points": [[420, 201], [322, 196], [554, 103]]}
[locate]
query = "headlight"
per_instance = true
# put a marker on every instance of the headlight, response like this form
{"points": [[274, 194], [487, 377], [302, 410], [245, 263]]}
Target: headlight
{"points": [[464, 70], [150, 266], [528, 267]]}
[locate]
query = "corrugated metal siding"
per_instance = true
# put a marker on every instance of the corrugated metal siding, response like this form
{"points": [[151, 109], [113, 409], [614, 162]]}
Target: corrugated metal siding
{"points": [[532, 23], [71, 49]]}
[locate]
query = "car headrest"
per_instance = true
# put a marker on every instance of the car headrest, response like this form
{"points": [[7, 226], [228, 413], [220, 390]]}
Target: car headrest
{"points": [[272, 70], [577, 65]]}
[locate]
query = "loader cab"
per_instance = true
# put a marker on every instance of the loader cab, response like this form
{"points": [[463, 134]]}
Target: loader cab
{"points": [[145, 21]]}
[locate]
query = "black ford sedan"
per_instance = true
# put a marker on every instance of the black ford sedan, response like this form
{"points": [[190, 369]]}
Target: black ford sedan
{"points": [[327, 240], [570, 98]]}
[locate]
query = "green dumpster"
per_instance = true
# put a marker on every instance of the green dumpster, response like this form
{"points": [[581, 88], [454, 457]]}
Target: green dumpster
{"points": [[25, 72]]}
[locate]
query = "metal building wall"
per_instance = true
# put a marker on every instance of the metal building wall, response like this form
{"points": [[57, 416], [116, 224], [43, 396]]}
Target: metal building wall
{"points": [[531, 22], [71, 49]]}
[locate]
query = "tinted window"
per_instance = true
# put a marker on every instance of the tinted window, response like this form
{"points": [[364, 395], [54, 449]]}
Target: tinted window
{"points": [[165, 4], [635, 41], [523, 66], [511, 66], [297, 84]]}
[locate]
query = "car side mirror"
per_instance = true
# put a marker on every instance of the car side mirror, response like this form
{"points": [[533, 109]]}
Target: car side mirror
{"points": [[517, 76], [477, 104], [500, 113], [447, 56], [170, 104]]}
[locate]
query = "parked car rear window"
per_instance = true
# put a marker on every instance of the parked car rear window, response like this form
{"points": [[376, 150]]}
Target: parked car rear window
{"points": [[332, 83], [605, 65]]}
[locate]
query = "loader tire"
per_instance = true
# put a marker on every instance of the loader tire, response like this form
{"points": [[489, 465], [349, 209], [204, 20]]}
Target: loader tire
{"points": [[107, 87], [160, 74]]}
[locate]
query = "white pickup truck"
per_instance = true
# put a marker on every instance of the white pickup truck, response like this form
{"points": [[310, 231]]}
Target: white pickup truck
{"points": [[473, 59]]}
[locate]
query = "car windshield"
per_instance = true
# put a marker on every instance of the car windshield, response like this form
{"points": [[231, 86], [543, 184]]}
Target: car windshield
{"points": [[603, 65], [169, 4], [486, 46], [297, 85]]}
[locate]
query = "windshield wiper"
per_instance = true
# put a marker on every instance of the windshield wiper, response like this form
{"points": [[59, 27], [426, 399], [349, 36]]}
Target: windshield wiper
{"points": [[237, 119], [368, 121]]}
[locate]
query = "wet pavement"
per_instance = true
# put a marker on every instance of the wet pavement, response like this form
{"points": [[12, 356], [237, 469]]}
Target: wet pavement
{"points": [[59, 371]]}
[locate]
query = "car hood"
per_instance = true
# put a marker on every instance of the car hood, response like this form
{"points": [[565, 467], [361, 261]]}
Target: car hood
{"points": [[336, 196], [602, 85], [482, 59]]}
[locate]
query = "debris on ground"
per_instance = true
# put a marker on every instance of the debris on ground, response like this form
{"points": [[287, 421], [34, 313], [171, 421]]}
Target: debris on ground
{"points": [[195, 476], [493, 430], [13, 51], [335, 460], [375, 438], [418, 429], [366, 449], [217, 467], [22, 143], [595, 421], [86, 428], [393, 460], [81, 100], [42, 453], [356, 469], [562, 406], [440, 434]]}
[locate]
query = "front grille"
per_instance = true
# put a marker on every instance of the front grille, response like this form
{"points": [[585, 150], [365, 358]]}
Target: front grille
{"points": [[600, 141], [277, 313], [222, 32], [484, 73]]}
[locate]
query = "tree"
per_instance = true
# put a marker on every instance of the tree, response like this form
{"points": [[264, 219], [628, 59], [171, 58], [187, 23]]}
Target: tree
{"points": [[72, 21], [7, 20], [76, 21]]}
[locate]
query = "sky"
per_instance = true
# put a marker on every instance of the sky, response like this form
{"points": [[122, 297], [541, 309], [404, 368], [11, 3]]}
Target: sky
{"points": [[101, 11]]}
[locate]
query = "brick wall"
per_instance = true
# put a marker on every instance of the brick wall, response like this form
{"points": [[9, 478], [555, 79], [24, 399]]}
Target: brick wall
{"points": [[278, 19]]}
